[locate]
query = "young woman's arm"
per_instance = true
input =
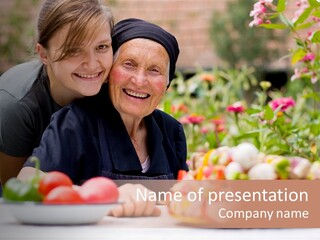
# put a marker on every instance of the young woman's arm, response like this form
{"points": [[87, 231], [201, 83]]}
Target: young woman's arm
{"points": [[10, 166]]}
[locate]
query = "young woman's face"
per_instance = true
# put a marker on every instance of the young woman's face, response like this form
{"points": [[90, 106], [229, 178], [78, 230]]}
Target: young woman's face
{"points": [[139, 77], [83, 73]]}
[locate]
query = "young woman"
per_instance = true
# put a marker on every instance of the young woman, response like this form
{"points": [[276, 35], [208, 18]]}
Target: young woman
{"points": [[74, 46]]}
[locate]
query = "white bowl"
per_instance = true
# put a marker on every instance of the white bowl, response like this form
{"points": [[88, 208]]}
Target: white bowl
{"points": [[57, 214]]}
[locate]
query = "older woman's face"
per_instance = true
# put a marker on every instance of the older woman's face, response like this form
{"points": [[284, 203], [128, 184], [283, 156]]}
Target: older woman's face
{"points": [[139, 76]]}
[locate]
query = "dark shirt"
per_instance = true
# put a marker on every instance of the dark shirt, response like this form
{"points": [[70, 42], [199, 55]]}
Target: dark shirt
{"points": [[88, 138], [26, 107]]}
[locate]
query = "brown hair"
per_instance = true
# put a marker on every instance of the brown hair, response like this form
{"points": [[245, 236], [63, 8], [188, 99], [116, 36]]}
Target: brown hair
{"points": [[86, 17]]}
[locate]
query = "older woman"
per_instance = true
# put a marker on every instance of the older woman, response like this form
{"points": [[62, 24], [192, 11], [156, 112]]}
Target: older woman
{"points": [[119, 133]]}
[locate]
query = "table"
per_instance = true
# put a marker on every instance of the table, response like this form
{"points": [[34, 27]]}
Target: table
{"points": [[141, 228]]}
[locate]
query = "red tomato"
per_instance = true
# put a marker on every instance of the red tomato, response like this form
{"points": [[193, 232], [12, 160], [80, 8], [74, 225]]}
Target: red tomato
{"points": [[52, 180], [63, 195], [99, 190], [181, 174]]}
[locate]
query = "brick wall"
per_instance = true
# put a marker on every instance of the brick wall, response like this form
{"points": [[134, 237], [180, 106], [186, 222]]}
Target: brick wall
{"points": [[17, 27], [188, 20]]}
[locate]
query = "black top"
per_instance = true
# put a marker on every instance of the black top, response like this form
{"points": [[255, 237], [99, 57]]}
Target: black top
{"points": [[26, 107], [88, 138]]}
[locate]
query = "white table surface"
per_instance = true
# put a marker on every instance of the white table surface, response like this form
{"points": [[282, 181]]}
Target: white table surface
{"points": [[141, 228]]}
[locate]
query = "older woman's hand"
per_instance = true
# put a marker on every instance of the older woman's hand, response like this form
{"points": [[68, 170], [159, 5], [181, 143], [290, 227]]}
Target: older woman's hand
{"points": [[130, 206]]}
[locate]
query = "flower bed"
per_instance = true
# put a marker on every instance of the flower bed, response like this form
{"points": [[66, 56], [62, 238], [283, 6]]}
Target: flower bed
{"points": [[221, 109]]}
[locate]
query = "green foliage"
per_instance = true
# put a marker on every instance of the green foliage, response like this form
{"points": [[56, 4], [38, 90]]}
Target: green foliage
{"points": [[305, 55], [201, 103], [237, 44], [16, 30]]}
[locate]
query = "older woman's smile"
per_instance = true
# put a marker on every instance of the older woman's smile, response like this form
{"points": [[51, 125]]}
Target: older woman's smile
{"points": [[136, 94]]}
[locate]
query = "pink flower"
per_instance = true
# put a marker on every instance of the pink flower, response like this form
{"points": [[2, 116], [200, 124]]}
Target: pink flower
{"points": [[256, 22], [296, 75], [302, 5], [314, 78], [258, 9], [218, 121], [283, 103], [315, 19], [193, 119], [219, 124], [236, 108], [298, 72], [205, 130], [179, 108], [259, 12], [308, 57]]}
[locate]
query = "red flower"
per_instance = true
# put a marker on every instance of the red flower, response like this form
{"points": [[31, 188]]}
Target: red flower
{"points": [[284, 103], [236, 108]]}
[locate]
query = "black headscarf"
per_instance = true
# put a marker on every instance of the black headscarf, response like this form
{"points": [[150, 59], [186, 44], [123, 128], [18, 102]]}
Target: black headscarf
{"points": [[131, 28]]}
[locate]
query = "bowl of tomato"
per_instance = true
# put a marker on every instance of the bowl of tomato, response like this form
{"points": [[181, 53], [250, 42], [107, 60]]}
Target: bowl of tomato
{"points": [[53, 199]]}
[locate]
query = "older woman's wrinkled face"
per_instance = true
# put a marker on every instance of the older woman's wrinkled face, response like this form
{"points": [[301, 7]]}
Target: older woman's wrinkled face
{"points": [[139, 77]]}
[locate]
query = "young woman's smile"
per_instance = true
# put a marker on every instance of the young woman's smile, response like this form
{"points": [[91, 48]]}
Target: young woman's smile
{"points": [[82, 73]]}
